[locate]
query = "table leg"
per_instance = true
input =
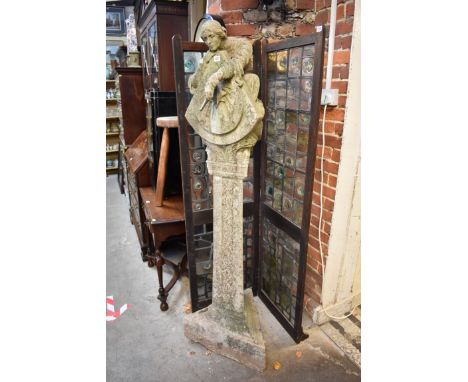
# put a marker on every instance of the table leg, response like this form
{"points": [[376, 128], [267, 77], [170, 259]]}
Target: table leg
{"points": [[162, 293], [162, 168]]}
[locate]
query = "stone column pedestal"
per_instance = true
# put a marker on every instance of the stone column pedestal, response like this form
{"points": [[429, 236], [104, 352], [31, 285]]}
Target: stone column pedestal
{"points": [[230, 325], [227, 114]]}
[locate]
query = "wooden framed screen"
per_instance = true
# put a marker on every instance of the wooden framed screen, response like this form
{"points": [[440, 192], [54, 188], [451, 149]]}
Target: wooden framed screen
{"points": [[292, 83], [197, 186]]}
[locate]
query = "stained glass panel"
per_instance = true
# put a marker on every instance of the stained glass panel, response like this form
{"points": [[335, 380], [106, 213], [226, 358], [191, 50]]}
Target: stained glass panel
{"points": [[280, 268], [295, 55], [307, 66], [287, 124], [249, 182], [280, 94], [290, 102], [293, 94], [281, 63], [203, 254], [271, 65]]}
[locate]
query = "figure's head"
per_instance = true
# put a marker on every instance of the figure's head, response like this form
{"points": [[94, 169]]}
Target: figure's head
{"points": [[213, 34]]}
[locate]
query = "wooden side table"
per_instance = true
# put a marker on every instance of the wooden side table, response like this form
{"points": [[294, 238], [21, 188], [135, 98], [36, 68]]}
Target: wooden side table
{"points": [[165, 219]]}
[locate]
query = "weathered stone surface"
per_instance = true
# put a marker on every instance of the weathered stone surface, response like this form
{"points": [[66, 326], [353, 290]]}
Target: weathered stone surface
{"points": [[285, 30], [227, 243], [255, 15], [276, 4], [276, 16], [309, 18], [225, 107], [226, 112], [290, 4], [296, 15], [235, 337], [269, 30]]}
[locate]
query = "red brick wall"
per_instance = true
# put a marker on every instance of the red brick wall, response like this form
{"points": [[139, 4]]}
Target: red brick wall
{"points": [[290, 18]]}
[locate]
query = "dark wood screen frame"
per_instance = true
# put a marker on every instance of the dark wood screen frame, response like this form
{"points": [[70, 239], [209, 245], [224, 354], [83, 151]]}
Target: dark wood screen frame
{"points": [[301, 233], [195, 218]]}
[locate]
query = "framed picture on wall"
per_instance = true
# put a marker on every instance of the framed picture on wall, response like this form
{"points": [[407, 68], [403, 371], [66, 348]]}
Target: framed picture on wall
{"points": [[115, 20]]}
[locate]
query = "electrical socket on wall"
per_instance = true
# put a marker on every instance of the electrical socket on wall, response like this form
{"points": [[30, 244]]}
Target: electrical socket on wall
{"points": [[329, 97]]}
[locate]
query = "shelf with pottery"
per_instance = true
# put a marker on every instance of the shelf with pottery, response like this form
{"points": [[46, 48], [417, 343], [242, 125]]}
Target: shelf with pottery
{"points": [[112, 164], [112, 126]]}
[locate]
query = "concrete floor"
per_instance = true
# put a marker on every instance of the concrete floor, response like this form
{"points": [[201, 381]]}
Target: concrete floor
{"points": [[145, 344]]}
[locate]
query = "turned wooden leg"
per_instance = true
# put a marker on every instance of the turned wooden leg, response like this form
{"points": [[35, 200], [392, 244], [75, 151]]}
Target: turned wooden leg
{"points": [[183, 266], [162, 293], [174, 278], [149, 251], [151, 261]]}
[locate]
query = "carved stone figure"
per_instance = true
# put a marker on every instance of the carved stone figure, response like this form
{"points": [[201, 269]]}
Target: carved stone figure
{"points": [[225, 106], [226, 112]]}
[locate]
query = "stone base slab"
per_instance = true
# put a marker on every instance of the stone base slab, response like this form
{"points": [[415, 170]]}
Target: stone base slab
{"points": [[244, 344]]}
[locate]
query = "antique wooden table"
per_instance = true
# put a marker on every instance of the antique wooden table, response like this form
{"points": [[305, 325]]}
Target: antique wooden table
{"points": [[165, 220]]}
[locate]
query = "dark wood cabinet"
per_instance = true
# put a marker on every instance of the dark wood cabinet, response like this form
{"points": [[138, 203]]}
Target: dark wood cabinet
{"points": [[136, 158], [157, 22], [131, 101]]}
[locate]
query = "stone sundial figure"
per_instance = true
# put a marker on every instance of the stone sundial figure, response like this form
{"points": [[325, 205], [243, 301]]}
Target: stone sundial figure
{"points": [[226, 112], [225, 107]]}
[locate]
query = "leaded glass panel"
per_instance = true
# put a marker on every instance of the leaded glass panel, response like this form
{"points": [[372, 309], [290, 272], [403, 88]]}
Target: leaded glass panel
{"points": [[152, 56], [201, 185], [145, 62], [287, 124], [280, 268], [203, 254], [292, 98]]}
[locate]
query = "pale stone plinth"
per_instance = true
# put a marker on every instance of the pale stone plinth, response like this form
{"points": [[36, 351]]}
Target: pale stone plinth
{"points": [[230, 325], [228, 244], [235, 337]]}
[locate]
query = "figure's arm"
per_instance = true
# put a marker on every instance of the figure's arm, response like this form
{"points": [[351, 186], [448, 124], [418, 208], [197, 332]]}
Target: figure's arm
{"points": [[241, 53], [212, 81], [192, 84], [194, 79]]}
